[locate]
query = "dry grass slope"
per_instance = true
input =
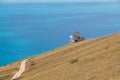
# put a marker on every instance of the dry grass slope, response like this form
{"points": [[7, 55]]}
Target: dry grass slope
{"points": [[97, 59]]}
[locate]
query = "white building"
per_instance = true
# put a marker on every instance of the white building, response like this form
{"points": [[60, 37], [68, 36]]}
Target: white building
{"points": [[71, 39]]}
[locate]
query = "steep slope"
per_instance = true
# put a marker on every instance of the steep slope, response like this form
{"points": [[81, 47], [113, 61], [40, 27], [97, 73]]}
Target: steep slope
{"points": [[98, 59], [7, 71]]}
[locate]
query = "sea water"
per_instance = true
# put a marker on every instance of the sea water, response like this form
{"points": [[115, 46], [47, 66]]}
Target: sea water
{"points": [[28, 29]]}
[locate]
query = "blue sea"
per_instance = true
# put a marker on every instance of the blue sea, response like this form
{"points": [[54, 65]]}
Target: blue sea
{"points": [[28, 29]]}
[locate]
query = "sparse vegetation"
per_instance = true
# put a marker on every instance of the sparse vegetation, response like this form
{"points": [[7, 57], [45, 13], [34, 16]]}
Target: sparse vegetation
{"points": [[32, 63], [86, 60], [106, 47], [74, 61]]}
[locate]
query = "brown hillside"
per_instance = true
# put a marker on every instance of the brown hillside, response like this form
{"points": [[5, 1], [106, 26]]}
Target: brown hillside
{"points": [[98, 59]]}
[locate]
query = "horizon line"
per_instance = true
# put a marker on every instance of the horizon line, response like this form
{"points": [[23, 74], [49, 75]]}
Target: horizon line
{"points": [[57, 1]]}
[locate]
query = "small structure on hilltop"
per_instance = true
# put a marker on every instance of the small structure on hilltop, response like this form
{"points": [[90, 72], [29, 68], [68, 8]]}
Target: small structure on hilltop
{"points": [[77, 37], [71, 39]]}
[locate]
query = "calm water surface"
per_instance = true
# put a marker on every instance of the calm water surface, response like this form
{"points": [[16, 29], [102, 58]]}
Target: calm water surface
{"points": [[28, 29]]}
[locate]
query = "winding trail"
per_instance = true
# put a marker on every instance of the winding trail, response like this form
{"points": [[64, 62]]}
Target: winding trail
{"points": [[22, 68]]}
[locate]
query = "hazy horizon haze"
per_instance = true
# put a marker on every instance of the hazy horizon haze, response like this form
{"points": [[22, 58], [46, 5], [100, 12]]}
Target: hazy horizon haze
{"points": [[59, 0]]}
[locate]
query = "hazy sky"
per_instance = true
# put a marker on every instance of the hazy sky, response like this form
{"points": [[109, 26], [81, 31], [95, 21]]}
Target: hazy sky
{"points": [[55, 0]]}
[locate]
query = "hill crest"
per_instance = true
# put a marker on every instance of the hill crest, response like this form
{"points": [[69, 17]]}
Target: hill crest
{"points": [[97, 59]]}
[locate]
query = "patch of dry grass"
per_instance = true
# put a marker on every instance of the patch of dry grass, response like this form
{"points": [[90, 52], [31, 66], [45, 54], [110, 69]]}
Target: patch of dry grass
{"points": [[96, 59]]}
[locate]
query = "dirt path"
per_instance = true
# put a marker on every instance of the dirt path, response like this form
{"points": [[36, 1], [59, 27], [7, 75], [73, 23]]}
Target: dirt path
{"points": [[22, 68]]}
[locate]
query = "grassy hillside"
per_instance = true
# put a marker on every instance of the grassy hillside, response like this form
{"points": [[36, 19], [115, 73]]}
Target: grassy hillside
{"points": [[98, 59]]}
